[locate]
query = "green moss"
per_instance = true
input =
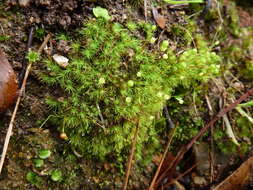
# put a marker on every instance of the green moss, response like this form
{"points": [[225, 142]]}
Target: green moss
{"points": [[4, 38], [113, 84]]}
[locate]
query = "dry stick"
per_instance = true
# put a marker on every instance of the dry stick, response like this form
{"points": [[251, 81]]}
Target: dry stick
{"points": [[130, 158], [184, 149], [8, 135], [145, 10], [171, 135], [211, 154]]}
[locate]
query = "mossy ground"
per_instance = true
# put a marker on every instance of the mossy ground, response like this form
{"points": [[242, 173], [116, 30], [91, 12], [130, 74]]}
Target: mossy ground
{"points": [[182, 74]]}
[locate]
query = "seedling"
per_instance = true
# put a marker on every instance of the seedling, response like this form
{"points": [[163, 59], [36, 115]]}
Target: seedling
{"points": [[44, 154], [38, 162], [33, 179], [56, 175]]}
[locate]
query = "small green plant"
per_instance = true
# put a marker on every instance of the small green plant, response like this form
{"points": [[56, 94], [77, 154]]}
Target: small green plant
{"points": [[39, 33], [56, 175], [4, 38], [38, 162], [44, 153], [32, 56], [114, 84], [34, 179]]}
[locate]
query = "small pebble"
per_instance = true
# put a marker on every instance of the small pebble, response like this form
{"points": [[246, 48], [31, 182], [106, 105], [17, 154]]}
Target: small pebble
{"points": [[61, 60]]}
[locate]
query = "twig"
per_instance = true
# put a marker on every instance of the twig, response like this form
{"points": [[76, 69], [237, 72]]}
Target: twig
{"points": [[101, 117], [24, 64], [211, 154], [184, 149], [226, 121], [244, 114], [171, 135], [229, 130], [145, 10], [130, 158], [30, 39], [8, 135], [170, 122]]}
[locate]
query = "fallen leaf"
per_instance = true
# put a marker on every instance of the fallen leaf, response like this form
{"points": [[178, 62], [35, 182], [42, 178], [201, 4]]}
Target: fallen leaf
{"points": [[8, 83], [239, 178], [160, 20]]}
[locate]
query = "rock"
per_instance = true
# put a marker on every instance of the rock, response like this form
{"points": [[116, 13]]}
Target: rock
{"points": [[198, 180], [24, 3], [61, 60], [201, 153]]}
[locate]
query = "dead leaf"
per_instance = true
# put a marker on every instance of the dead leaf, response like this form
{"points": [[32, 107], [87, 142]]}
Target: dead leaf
{"points": [[8, 83], [160, 20], [239, 178]]}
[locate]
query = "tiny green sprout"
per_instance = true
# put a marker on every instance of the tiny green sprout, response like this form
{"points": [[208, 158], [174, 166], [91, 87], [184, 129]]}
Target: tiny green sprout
{"points": [[39, 33], [164, 45], [128, 99], [33, 178], [101, 81], [56, 175], [152, 40], [44, 153], [32, 56], [4, 38], [38, 162], [101, 12], [165, 56], [130, 83]]}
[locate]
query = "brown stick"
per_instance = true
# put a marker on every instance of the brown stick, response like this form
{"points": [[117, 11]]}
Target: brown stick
{"points": [[8, 135], [184, 149], [171, 135], [211, 153], [130, 158]]}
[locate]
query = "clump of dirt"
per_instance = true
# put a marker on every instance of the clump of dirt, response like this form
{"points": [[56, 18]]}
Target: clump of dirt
{"points": [[53, 13]]}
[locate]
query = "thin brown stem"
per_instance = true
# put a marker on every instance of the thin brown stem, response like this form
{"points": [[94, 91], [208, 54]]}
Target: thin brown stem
{"points": [[171, 135], [130, 158]]}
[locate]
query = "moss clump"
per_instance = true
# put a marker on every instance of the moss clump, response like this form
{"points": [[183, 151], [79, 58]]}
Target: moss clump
{"points": [[114, 84]]}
